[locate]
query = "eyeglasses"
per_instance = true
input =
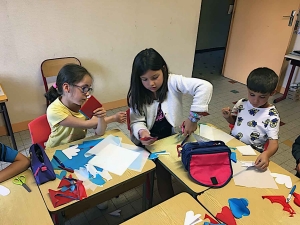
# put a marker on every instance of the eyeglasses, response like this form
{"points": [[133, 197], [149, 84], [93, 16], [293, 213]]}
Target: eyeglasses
{"points": [[84, 89]]}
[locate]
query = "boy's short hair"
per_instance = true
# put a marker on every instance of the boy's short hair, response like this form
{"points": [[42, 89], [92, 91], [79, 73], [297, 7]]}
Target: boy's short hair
{"points": [[262, 80]]}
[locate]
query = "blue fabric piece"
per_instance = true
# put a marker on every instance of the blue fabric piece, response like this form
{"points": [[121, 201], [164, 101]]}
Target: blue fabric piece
{"points": [[7, 154], [64, 188], [233, 157], [238, 207], [97, 180], [89, 144], [61, 175]]}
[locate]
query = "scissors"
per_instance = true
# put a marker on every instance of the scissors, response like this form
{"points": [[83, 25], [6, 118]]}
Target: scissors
{"points": [[20, 180], [180, 133]]}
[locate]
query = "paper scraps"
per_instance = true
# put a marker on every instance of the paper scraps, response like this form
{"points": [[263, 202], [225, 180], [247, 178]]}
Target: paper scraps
{"points": [[72, 151], [61, 175], [191, 218], [4, 191], [226, 216], [246, 150], [116, 213], [238, 207], [154, 155], [282, 201], [283, 179]]}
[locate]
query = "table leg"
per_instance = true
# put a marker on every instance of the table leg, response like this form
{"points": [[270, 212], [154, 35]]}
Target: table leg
{"points": [[287, 86], [151, 186], [148, 191], [8, 125]]}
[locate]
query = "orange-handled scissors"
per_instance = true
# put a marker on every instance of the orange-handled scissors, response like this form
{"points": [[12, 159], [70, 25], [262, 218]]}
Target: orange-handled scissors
{"points": [[20, 180]]}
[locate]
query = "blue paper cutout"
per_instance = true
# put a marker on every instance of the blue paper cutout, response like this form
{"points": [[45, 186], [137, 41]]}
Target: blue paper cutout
{"points": [[154, 155], [72, 187], [61, 175], [61, 156], [232, 148], [238, 207], [97, 180], [64, 188], [83, 172], [98, 168], [137, 163], [233, 157]]}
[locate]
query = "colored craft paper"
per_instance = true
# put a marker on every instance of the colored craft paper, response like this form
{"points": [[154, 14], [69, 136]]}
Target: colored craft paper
{"points": [[105, 174], [214, 134], [252, 177], [246, 150], [110, 139], [139, 162], [4, 191], [61, 175], [233, 157], [238, 207], [91, 169], [89, 185], [247, 163], [89, 144], [226, 216], [296, 199], [283, 179], [61, 156], [282, 201], [113, 158], [71, 151], [211, 220], [98, 180], [191, 218], [82, 174]]}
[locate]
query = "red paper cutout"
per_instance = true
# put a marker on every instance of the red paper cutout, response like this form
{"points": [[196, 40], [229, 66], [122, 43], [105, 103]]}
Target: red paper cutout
{"points": [[61, 200], [296, 199], [226, 216], [212, 220], [282, 201]]}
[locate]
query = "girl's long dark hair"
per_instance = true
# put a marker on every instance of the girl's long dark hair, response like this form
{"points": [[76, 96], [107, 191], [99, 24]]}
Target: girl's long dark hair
{"points": [[69, 73], [138, 95]]}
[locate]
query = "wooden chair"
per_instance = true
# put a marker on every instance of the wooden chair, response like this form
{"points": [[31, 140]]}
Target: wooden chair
{"points": [[51, 67]]}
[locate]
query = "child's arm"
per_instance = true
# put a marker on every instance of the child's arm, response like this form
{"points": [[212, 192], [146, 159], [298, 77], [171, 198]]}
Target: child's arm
{"points": [[20, 164], [296, 153], [262, 161], [119, 117]]}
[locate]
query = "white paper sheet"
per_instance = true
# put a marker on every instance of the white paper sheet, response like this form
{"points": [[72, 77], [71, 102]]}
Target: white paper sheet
{"points": [[113, 158], [139, 162], [71, 151], [246, 150], [214, 134], [252, 177], [110, 139]]}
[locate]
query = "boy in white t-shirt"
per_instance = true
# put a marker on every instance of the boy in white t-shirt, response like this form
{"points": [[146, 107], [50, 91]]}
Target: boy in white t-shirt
{"points": [[255, 120]]}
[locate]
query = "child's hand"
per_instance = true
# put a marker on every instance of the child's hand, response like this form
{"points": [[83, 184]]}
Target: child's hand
{"points": [[190, 127], [120, 117], [262, 161], [226, 112], [144, 134], [100, 112]]}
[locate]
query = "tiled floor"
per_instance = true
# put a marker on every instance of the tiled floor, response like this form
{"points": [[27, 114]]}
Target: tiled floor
{"points": [[207, 66]]}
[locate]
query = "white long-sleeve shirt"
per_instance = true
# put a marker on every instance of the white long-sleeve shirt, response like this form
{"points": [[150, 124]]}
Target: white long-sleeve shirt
{"points": [[178, 85]]}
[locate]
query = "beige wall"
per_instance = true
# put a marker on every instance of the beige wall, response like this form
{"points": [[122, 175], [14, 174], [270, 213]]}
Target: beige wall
{"points": [[104, 34]]}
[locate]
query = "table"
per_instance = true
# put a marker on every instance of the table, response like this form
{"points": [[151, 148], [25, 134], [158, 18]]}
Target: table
{"points": [[111, 189], [3, 109], [262, 211], [171, 211], [173, 163], [22, 207], [295, 61]]}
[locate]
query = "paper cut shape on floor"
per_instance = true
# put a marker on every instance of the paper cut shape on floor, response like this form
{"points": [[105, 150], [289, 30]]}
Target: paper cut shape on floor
{"points": [[226, 216], [252, 177], [191, 218], [116, 213], [238, 207], [113, 158], [139, 162], [283, 179], [71, 151], [214, 134], [282, 201], [246, 150], [61, 175], [4, 191], [110, 139], [296, 199]]}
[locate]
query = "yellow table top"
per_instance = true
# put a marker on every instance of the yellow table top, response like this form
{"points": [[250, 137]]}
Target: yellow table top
{"points": [[3, 98], [116, 181], [173, 163], [22, 207], [171, 211]]}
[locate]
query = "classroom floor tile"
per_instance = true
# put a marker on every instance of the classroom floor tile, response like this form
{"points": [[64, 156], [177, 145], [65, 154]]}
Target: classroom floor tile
{"points": [[207, 66]]}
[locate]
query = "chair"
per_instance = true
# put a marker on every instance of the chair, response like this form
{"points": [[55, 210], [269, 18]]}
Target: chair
{"points": [[128, 119], [39, 130], [51, 67]]}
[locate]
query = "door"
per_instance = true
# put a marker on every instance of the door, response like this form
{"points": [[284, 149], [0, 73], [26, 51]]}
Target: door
{"points": [[259, 36]]}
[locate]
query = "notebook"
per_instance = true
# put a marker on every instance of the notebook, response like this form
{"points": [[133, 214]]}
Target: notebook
{"points": [[89, 106]]}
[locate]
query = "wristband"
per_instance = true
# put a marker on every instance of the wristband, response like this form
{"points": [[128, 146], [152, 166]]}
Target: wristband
{"points": [[195, 115], [193, 119]]}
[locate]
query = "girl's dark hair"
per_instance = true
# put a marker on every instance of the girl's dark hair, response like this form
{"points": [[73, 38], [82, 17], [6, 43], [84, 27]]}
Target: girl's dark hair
{"points": [[71, 74], [138, 95]]}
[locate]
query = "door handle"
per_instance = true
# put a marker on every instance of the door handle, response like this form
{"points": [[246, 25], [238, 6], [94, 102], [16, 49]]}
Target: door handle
{"points": [[293, 13]]}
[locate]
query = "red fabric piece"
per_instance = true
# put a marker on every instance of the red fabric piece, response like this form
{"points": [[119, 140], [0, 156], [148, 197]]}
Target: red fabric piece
{"points": [[212, 220], [80, 190], [61, 200], [212, 167], [296, 199], [66, 182], [226, 216], [282, 201]]}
